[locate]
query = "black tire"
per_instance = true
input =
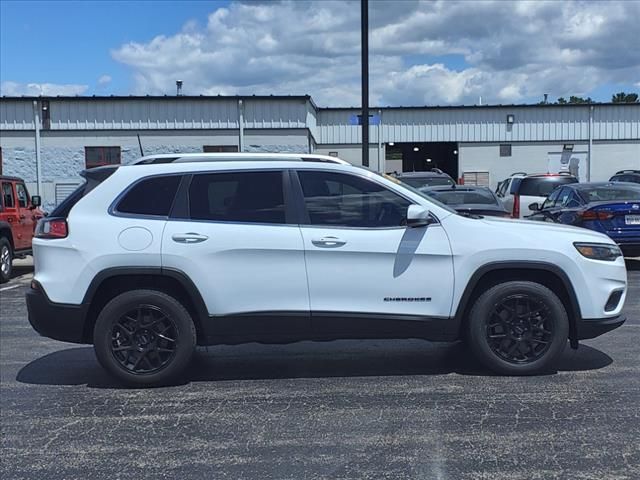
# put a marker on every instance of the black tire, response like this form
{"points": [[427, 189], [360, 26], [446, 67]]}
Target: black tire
{"points": [[132, 333], [6, 260], [526, 342]]}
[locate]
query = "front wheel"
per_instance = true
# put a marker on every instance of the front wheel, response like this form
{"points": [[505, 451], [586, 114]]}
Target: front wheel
{"points": [[144, 337], [518, 328], [6, 260]]}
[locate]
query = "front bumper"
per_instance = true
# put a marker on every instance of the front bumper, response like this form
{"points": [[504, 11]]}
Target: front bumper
{"points": [[594, 327], [55, 320]]}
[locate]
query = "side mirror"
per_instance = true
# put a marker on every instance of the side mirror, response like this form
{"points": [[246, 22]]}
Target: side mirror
{"points": [[535, 206], [36, 201], [418, 216]]}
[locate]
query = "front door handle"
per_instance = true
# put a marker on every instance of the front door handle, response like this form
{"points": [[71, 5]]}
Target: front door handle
{"points": [[329, 242], [189, 237]]}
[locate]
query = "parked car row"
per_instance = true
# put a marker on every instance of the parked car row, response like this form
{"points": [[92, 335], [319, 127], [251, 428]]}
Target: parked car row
{"points": [[612, 208]]}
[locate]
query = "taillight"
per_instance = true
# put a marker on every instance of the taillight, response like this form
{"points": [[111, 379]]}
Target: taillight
{"points": [[590, 215], [52, 228], [516, 206]]}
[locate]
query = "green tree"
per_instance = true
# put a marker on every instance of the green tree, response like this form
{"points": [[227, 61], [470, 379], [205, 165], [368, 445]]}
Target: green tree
{"points": [[575, 99], [622, 97], [562, 101]]}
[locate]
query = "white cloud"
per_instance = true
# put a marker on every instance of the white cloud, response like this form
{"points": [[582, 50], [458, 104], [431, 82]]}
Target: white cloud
{"points": [[12, 89], [512, 51], [104, 80]]}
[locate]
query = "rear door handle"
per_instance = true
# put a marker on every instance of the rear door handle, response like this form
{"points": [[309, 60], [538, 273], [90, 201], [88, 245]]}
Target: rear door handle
{"points": [[329, 242], [189, 237]]}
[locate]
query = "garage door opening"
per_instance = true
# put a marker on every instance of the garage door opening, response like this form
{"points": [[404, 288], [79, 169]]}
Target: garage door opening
{"points": [[420, 157]]}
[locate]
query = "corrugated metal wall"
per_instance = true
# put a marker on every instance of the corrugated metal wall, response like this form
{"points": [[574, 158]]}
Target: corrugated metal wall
{"points": [[157, 114], [332, 126], [16, 114], [489, 124]]}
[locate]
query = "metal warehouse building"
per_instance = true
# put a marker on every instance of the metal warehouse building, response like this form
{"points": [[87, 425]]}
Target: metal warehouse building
{"points": [[48, 141]]}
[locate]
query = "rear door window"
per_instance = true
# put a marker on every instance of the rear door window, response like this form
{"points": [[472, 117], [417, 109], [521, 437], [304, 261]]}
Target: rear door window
{"points": [[542, 186], [242, 197], [152, 196]]}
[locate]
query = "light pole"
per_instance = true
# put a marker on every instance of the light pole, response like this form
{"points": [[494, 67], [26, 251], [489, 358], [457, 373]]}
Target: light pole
{"points": [[364, 31]]}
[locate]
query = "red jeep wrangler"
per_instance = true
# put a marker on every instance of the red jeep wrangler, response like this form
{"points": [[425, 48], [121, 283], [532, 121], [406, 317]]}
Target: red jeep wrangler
{"points": [[19, 214]]}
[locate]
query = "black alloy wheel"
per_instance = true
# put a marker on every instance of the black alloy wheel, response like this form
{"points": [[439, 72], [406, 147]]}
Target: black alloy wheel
{"points": [[518, 329], [144, 340]]}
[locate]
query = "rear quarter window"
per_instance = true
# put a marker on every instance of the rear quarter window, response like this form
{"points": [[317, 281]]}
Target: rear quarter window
{"points": [[152, 196]]}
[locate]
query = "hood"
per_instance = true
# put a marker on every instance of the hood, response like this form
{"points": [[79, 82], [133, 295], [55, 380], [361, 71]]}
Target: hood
{"points": [[537, 229]]}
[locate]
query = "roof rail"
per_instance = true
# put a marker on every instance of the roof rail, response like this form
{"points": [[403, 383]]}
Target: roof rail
{"points": [[518, 173], [436, 170], [627, 171], [235, 157]]}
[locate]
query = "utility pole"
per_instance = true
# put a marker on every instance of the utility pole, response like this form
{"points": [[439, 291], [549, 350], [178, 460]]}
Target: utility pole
{"points": [[364, 31]]}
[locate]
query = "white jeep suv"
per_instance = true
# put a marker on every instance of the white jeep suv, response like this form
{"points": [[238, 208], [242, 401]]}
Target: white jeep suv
{"points": [[148, 261]]}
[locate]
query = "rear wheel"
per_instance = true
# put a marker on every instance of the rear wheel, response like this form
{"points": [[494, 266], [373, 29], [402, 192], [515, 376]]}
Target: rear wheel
{"points": [[144, 337], [518, 328], [6, 260]]}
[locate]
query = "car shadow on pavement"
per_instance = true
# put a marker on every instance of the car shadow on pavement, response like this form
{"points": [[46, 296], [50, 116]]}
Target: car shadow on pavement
{"points": [[78, 366]]}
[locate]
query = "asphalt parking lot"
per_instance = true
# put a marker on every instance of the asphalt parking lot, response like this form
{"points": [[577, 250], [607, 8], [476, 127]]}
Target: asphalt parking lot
{"points": [[347, 409]]}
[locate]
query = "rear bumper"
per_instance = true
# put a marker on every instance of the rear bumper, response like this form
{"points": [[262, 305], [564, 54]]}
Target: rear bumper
{"points": [[55, 320], [594, 327]]}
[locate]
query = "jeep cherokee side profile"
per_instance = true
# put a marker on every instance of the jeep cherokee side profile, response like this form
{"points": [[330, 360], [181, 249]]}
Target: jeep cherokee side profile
{"points": [[147, 261]]}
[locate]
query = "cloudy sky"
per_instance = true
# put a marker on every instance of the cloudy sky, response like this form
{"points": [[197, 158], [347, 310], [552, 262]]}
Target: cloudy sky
{"points": [[421, 52]]}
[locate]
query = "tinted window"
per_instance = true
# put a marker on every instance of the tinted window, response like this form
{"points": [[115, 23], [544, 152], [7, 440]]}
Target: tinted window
{"points": [[542, 186], [418, 182], [461, 197], [255, 197], [551, 200], [348, 200], [571, 200], [610, 192], [7, 196], [21, 192], [626, 178], [152, 196]]}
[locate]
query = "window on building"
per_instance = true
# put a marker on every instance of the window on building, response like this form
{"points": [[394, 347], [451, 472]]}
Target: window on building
{"points": [[476, 178], [23, 197], [219, 148], [153, 196], [333, 154], [99, 156], [247, 197], [7, 195], [347, 200], [505, 150]]}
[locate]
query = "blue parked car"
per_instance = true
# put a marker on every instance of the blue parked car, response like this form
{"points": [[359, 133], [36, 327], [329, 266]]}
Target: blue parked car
{"points": [[612, 208]]}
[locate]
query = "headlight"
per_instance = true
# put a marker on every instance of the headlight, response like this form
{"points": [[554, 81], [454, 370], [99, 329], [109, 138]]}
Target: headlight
{"points": [[599, 251]]}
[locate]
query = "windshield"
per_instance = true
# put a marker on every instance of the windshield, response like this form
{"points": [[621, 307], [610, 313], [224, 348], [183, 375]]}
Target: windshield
{"points": [[464, 197], [610, 193], [418, 182]]}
